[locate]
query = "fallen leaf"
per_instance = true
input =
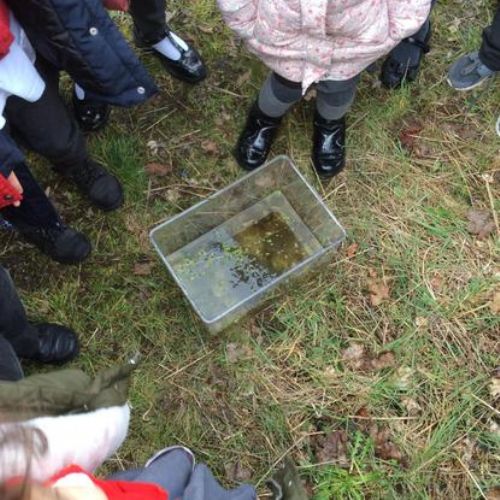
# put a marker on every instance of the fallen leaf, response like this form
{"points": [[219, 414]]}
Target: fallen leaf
{"points": [[352, 250], [243, 79], [379, 291], [358, 358], [332, 449], [235, 352], [172, 195], [480, 223], [495, 303], [403, 378], [143, 268], [237, 473], [493, 494], [158, 169], [354, 355], [384, 447], [384, 360], [495, 384], [409, 135], [210, 147], [412, 407]]}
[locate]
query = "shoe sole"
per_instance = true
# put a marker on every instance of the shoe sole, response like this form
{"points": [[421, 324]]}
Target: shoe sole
{"points": [[470, 87]]}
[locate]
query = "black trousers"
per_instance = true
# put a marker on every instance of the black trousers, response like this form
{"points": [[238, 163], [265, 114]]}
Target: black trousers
{"points": [[149, 20], [47, 128], [490, 49], [17, 336]]}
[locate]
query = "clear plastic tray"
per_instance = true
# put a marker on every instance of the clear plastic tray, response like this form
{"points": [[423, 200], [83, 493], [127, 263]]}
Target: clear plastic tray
{"points": [[229, 252]]}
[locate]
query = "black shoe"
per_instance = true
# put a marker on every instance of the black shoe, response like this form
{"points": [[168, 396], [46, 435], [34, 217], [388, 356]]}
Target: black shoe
{"points": [[56, 344], [256, 138], [60, 243], [90, 115], [328, 153], [189, 68], [403, 63], [101, 188]]}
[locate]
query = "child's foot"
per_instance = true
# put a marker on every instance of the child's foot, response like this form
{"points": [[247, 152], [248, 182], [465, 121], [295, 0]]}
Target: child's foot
{"points": [[59, 242], [179, 58], [90, 115], [328, 146], [403, 63], [99, 186], [256, 139], [469, 72], [56, 344]]}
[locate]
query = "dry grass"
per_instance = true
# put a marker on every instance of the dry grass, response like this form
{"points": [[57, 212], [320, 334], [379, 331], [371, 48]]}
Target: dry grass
{"points": [[286, 379]]}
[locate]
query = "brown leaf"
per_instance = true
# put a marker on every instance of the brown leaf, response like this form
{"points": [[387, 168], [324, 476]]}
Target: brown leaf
{"points": [[379, 291], [143, 268], [384, 360], [493, 494], [352, 250], [480, 223], [237, 473], [210, 147], [332, 449], [235, 352], [358, 358], [412, 407], [495, 303], [158, 169], [495, 384], [409, 135], [243, 79]]}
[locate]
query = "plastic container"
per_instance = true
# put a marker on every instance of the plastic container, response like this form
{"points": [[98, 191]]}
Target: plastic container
{"points": [[229, 252]]}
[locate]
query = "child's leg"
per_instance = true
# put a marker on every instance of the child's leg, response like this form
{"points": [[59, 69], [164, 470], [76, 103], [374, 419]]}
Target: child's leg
{"points": [[334, 99], [403, 63], [276, 97], [47, 127], [37, 221], [490, 49]]}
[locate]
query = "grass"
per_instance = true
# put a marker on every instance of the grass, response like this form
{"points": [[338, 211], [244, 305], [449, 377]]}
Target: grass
{"points": [[290, 381]]}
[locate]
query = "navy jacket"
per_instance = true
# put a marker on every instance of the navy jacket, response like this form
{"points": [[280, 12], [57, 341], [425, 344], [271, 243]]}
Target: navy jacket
{"points": [[79, 37]]}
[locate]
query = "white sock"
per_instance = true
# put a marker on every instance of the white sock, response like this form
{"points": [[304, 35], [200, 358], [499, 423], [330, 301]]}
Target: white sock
{"points": [[79, 92], [168, 49]]}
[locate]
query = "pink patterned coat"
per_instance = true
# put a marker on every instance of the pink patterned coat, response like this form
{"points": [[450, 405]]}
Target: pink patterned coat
{"points": [[312, 40]]}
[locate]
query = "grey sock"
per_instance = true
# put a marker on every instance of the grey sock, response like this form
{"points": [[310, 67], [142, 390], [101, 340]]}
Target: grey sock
{"points": [[276, 98]]}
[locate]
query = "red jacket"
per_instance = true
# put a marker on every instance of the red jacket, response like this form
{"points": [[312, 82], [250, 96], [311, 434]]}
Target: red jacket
{"points": [[6, 37], [118, 490]]}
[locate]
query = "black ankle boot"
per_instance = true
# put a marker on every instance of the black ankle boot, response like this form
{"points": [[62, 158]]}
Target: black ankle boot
{"points": [[101, 188], [90, 115], [256, 138], [59, 242], [403, 63], [56, 344], [328, 146]]}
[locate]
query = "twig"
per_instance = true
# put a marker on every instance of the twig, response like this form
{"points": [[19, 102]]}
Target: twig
{"points": [[474, 480], [189, 365]]}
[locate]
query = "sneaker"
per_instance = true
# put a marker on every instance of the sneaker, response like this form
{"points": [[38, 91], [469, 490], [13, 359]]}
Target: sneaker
{"points": [[59, 242], [90, 115], [469, 72], [98, 185], [256, 139]]}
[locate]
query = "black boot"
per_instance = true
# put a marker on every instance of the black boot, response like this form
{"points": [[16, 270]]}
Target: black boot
{"points": [[60, 243], [101, 188], [256, 138], [403, 63], [328, 146], [90, 115], [56, 344], [189, 68]]}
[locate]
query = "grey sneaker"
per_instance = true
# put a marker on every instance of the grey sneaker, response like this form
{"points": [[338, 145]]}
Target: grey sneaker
{"points": [[469, 72]]}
